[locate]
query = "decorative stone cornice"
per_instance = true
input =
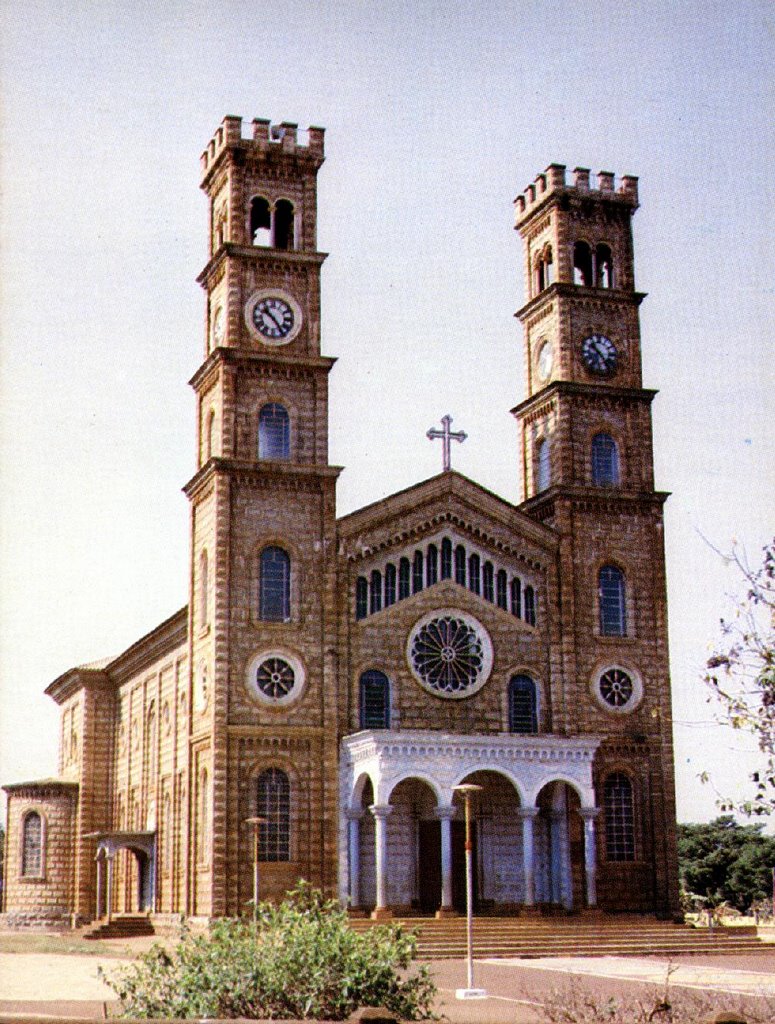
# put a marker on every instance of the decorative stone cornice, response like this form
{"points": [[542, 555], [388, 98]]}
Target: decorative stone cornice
{"points": [[262, 364], [593, 392]]}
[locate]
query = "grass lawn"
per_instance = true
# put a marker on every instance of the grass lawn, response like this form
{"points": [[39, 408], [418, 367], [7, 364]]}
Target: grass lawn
{"points": [[39, 942]]}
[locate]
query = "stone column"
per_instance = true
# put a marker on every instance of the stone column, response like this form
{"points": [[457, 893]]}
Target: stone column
{"points": [[556, 820], [588, 815], [445, 816], [528, 816], [100, 858], [354, 847], [109, 897], [381, 812]]}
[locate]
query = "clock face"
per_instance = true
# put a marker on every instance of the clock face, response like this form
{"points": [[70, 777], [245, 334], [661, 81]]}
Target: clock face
{"points": [[545, 361], [218, 326], [273, 318], [599, 354]]}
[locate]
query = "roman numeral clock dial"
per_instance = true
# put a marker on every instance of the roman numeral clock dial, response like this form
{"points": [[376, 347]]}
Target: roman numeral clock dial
{"points": [[273, 317], [599, 354]]}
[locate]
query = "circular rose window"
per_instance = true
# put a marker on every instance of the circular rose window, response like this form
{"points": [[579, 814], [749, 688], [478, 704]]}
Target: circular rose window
{"points": [[275, 677], [618, 689], [450, 653]]}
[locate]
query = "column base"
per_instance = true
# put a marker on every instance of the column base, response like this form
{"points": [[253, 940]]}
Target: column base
{"points": [[592, 912], [470, 993], [444, 912], [529, 911], [381, 914], [356, 912]]}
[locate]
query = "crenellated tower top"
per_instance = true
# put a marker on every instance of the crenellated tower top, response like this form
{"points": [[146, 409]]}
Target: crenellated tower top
{"points": [[552, 181], [267, 140]]}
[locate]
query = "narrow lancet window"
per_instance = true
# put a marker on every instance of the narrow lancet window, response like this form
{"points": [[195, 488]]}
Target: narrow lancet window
{"points": [[523, 705], [284, 225], [274, 432], [260, 222], [375, 700], [605, 461], [275, 585], [390, 585], [446, 558], [582, 264], [612, 597]]}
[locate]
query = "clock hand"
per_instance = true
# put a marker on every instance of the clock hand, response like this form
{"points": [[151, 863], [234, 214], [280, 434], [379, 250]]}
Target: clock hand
{"points": [[277, 323]]}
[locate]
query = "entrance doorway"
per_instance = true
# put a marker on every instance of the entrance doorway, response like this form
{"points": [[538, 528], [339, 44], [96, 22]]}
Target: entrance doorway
{"points": [[429, 866]]}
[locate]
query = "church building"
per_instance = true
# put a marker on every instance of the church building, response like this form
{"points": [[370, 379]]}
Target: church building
{"points": [[337, 679]]}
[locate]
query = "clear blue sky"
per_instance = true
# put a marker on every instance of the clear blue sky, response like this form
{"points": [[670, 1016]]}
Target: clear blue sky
{"points": [[437, 115]]}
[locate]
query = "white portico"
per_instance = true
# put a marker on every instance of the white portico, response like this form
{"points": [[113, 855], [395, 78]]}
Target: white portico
{"points": [[399, 845]]}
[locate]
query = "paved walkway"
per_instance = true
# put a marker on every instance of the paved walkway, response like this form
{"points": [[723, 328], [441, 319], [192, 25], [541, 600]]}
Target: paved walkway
{"points": [[61, 986]]}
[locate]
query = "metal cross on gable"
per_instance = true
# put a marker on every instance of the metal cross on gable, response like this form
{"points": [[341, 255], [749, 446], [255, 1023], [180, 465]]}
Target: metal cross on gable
{"points": [[446, 436]]}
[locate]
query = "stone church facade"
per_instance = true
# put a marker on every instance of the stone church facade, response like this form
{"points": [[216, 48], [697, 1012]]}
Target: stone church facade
{"points": [[338, 678]]}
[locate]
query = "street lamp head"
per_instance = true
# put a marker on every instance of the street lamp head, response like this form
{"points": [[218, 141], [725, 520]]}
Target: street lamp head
{"points": [[467, 789]]}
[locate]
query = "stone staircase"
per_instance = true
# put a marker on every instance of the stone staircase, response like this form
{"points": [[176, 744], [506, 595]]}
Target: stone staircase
{"points": [[574, 935], [120, 926]]}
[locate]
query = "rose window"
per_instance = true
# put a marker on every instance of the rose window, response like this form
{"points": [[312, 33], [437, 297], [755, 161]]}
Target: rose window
{"points": [[616, 687], [275, 678], [450, 654]]}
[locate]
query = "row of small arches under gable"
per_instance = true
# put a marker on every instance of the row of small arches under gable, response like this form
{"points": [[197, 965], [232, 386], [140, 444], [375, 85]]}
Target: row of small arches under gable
{"points": [[605, 467], [375, 702], [381, 589], [274, 433], [592, 267], [270, 224]]}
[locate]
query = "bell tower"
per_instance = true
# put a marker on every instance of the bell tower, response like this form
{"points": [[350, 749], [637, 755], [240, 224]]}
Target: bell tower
{"points": [[262, 522], [587, 471]]}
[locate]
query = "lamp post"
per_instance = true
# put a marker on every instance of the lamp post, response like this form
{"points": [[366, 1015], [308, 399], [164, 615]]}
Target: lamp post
{"points": [[254, 824], [467, 790]]}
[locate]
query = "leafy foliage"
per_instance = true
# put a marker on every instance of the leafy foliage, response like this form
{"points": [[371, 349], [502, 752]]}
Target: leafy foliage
{"points": [[299, 960], [725, 862], [741, 671]]}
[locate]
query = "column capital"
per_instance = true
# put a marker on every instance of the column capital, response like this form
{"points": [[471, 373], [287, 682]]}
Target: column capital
{"points": [[557, 814], [442, 813], [382, 811], [589, 813], [528, 813], [353, 813]]}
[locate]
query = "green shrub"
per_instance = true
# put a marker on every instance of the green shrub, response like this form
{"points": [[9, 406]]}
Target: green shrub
{"points": [[300, 959]]}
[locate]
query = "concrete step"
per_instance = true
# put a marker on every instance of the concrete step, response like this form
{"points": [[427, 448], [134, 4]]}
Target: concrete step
{"points": [[121, 926], [531, 937]]}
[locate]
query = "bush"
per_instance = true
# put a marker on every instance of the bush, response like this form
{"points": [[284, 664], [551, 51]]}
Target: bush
{"points": [[300, 959]]}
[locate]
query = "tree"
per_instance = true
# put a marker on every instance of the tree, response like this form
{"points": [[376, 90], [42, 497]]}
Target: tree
{"points": [[298, 960], [724, 861], [741, 671]]}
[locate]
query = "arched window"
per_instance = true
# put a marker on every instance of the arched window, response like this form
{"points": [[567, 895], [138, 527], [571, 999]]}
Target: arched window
{"points": [[417, 572], [543, 471], [168, 834], [275, 585], [260, 222], [460, 565], [502, 589], [605, 461], [203, 818], [487, 582], [404, 578], [204, 590], [390, 585], [32, 845], [612, 596], [361, 597], [446, 558], [151, 741], [274, 432], [375, 592], [604, 267], [283, 225], [582, 264], [273, 804], [474, 583], [523, 705], [544, 269], [375, 700], [516, 597], [619, 818], [530, 606], [432, 565], [210, 435]]}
